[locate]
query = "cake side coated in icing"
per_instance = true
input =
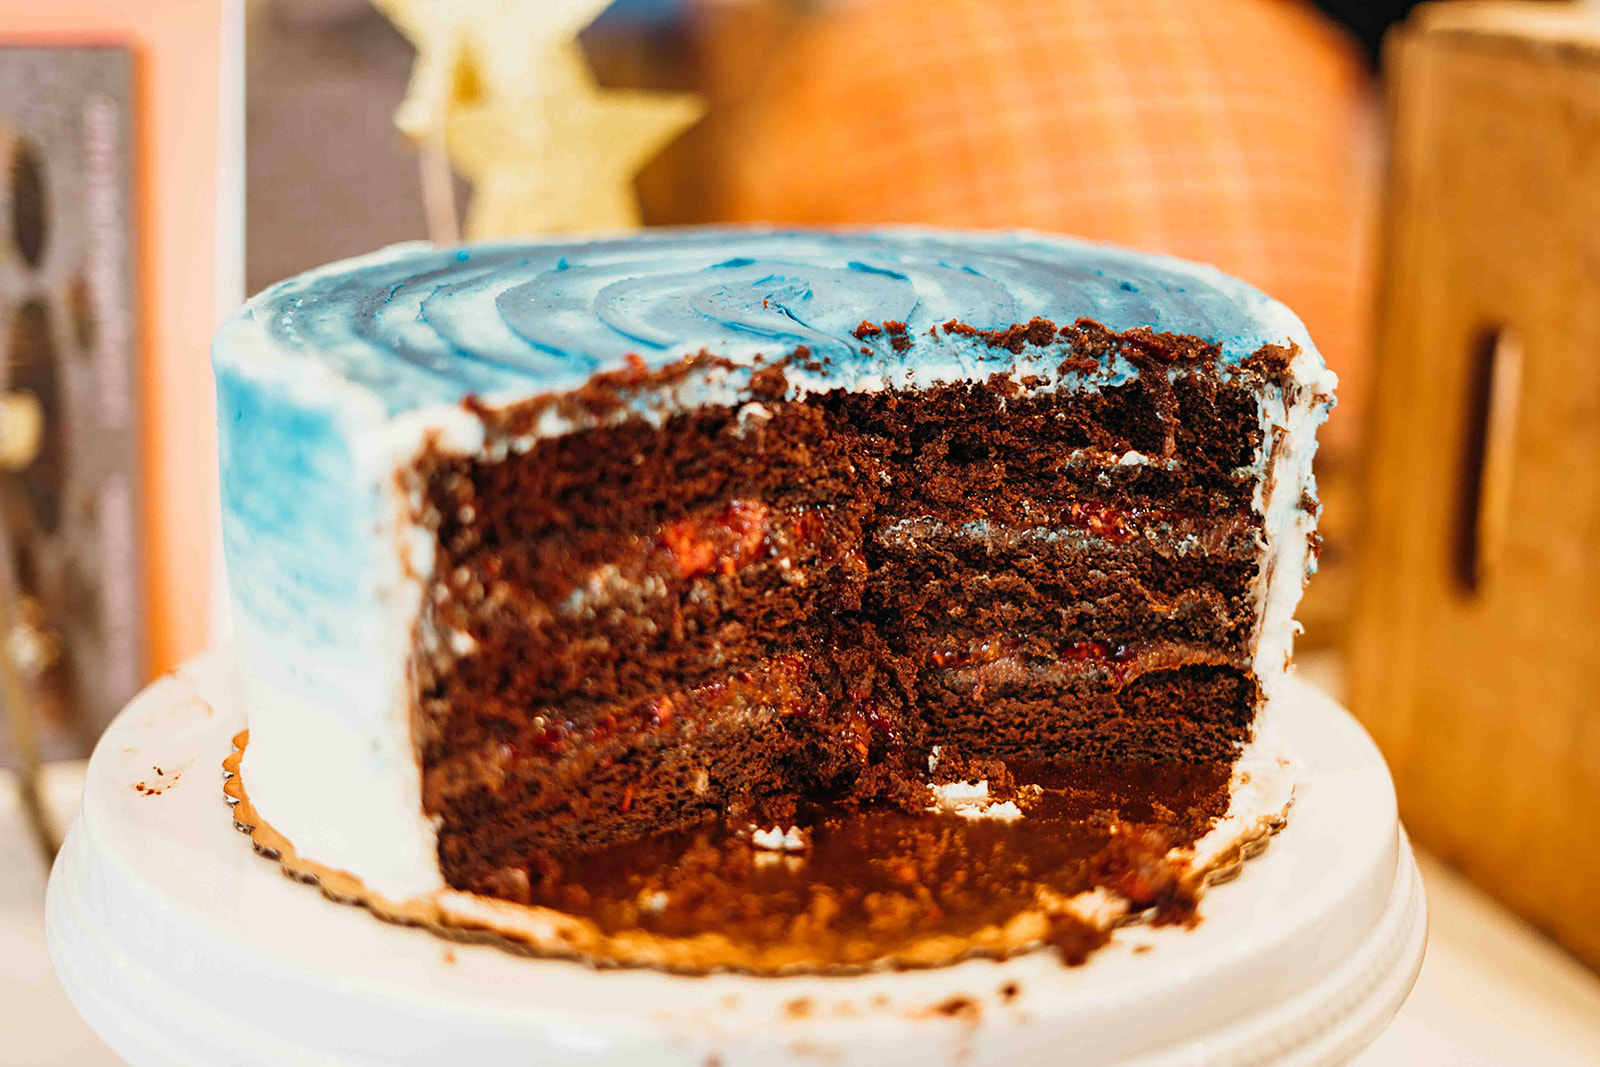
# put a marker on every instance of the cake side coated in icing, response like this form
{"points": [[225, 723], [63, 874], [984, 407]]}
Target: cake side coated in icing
{"points": [[332, 382]]}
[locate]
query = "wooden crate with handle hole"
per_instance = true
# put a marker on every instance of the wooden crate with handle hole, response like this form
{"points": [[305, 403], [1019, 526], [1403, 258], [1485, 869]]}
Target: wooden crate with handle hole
{"points": [[1474, 647]]}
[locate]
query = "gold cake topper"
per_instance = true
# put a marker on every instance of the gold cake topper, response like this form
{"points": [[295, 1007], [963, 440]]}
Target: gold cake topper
{"points": [[503, 88]]}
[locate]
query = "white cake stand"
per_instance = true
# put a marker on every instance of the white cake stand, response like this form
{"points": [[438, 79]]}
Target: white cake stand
{"points": [[181, 946]]}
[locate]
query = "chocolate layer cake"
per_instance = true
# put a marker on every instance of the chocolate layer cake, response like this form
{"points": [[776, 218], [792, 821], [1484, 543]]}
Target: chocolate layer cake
{"points": [[769, 600]]}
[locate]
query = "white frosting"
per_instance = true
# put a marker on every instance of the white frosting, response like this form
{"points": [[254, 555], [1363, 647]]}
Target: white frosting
{"points": [[971, 800], [1288, 526], [347, 797], [957, 792], [779, 840], [1261, 790], [1005, 812], [1099, 907]]}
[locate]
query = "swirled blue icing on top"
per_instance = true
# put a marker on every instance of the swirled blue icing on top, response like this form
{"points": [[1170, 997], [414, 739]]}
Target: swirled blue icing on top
{"points": [[419, 325]]}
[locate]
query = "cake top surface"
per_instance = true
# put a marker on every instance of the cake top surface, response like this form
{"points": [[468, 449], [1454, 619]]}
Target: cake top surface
{"points": [[418, 325]]}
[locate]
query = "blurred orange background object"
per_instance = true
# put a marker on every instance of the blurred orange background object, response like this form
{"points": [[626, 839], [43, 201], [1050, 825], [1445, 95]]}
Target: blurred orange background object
{"points": [[1234, 132]]}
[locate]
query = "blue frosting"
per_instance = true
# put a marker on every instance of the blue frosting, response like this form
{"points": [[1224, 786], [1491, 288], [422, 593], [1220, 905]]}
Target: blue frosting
{"points": [[297, 513], [419, 325]]}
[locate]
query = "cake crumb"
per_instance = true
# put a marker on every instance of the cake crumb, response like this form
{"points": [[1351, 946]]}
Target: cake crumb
{"points": [[156, 787], [1074, 940], [1006, 812], [971, 800], [956, 792], [751, 416], [778, 840], [959, 1007]]}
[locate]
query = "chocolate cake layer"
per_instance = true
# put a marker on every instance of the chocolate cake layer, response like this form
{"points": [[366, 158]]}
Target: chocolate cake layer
{"points": [[856, 883], [943, 591], [654, 618], [796, 723], [647, 625], [1019, 709]]}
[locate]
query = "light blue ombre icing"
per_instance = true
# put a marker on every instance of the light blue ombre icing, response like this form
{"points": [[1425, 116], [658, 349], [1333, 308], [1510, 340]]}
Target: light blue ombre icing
{"points": [[329, 383], [418, 325]]}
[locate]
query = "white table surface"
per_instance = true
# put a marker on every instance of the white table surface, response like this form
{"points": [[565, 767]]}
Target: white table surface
{"points": [[1492, 990]]}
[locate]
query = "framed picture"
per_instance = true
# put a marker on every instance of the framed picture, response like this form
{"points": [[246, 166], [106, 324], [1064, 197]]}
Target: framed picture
{"points": [[69, 365]]}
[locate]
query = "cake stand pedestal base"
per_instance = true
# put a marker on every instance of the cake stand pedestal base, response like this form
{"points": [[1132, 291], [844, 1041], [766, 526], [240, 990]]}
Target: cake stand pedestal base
{"points": [[181, 946]]}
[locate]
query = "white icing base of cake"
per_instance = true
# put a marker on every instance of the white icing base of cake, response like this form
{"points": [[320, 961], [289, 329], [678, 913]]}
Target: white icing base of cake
{"points": [[346, 799], [1260, 793], [1288, 527]]}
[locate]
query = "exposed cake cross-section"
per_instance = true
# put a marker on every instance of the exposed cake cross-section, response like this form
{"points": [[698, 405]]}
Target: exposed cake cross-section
{"points": [[770, 599]]}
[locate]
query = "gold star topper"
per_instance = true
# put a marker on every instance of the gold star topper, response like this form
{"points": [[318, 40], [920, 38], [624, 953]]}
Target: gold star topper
{"points": [[503, 87]]}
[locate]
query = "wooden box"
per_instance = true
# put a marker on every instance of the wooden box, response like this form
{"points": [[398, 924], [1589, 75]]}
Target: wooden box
{"points": [[1474, 647]]}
